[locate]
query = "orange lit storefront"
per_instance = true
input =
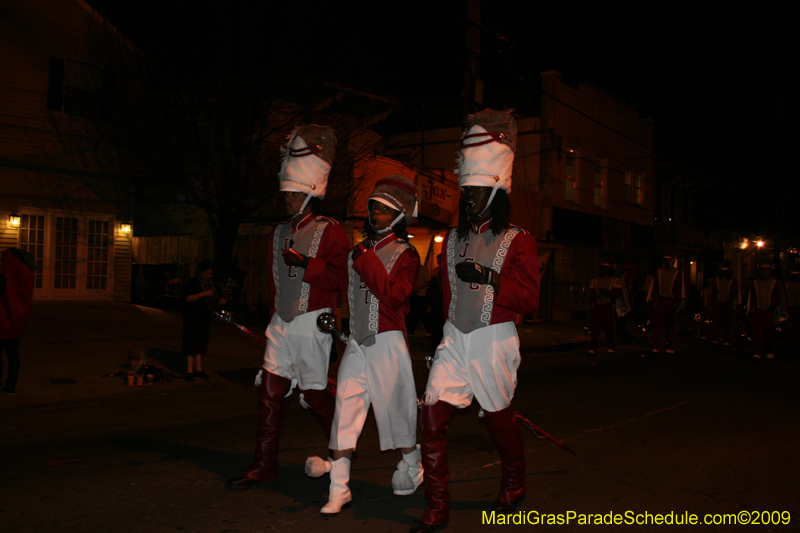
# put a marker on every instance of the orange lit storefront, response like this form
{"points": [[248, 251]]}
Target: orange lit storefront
{"points": [[438, 210]]}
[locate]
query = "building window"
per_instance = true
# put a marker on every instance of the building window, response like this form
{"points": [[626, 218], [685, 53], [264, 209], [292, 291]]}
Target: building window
{"points": [[97, 257], [66, 253], [31, 239], [599, 180], [77, 89], [633, 187], [570, 175]]}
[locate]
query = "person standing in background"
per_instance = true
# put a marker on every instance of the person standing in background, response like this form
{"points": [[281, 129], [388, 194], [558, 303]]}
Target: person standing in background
{"points": [[433, 299], [16, 303], [418, 310], [199, 299]]}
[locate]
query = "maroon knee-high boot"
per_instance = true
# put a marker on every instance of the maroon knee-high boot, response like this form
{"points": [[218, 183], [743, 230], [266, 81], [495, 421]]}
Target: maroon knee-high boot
{"points": [[435, 421], [323, 406], [270, 416], [504, 427]]}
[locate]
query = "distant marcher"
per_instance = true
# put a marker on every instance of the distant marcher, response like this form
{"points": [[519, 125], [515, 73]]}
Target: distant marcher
{"points": [[792, 325], [199, 299], [603, 293], [434, 299], [16, 302], [707, 297], [766, 294], [727, 297], [667, 291], [625, 307], [418, 310]]}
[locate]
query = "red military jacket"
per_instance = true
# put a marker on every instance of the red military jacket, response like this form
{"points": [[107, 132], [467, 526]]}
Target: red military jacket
{"points": [[514, 250], [612, 285], [381, 281], [16, 301], [765, 293], [294, 290], [667, 283]]}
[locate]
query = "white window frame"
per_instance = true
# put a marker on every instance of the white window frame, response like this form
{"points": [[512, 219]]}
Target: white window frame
{"points": [[48, 290]]}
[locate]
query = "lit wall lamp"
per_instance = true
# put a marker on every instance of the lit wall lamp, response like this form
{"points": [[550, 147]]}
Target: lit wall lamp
{"points": [[125, 229], [438, 238], [14, 220], [744, 244], [760, 244]]}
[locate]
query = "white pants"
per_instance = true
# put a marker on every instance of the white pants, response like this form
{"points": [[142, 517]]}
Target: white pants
{"points": [[482, 363], [381, 375], [299, 351]]}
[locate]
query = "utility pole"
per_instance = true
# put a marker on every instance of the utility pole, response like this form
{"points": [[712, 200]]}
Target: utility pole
{"points": [[473, 86]]}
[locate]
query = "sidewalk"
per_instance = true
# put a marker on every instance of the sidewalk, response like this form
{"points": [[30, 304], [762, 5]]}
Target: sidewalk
{"points": [[71, 345]]}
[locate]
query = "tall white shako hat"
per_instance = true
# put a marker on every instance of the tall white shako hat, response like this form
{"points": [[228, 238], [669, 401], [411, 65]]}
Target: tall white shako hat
{"points": [[398, 193], [307, 158], [488, 144]]}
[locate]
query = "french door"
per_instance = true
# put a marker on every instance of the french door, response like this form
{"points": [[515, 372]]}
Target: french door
{"points": [[73, 253]]}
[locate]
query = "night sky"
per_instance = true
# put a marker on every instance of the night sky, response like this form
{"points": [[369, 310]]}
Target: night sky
{"points": [[715, 81]]}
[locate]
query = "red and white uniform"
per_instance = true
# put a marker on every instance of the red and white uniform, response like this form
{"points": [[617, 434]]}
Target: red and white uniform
{"points": [[296, 349], [479, 354], [376, 365], [726, 296], [765, 295], [792, 326], [667, 289], [603, 293]]}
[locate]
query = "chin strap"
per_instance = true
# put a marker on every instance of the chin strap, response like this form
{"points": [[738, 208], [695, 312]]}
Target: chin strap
{"points": [[489, 203], [303, 207], [389, 227]]}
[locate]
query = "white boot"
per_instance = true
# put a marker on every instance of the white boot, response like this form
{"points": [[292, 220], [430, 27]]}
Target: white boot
{"points": [[408, 476], [339, 497]]}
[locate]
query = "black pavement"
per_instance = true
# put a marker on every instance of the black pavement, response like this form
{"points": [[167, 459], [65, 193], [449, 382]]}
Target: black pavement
{"points": [[705, 431]]}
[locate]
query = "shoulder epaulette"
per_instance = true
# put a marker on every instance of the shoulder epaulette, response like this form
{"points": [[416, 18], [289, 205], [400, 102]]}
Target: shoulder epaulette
{"points": [[519, 229]]}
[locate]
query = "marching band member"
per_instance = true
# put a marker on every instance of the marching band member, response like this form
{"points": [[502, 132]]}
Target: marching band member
{"points": [[490, 274], [376, 365], [792, 326], [763, 299], [667, 291], [727, 296], [603, 292], [307, 263]]}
